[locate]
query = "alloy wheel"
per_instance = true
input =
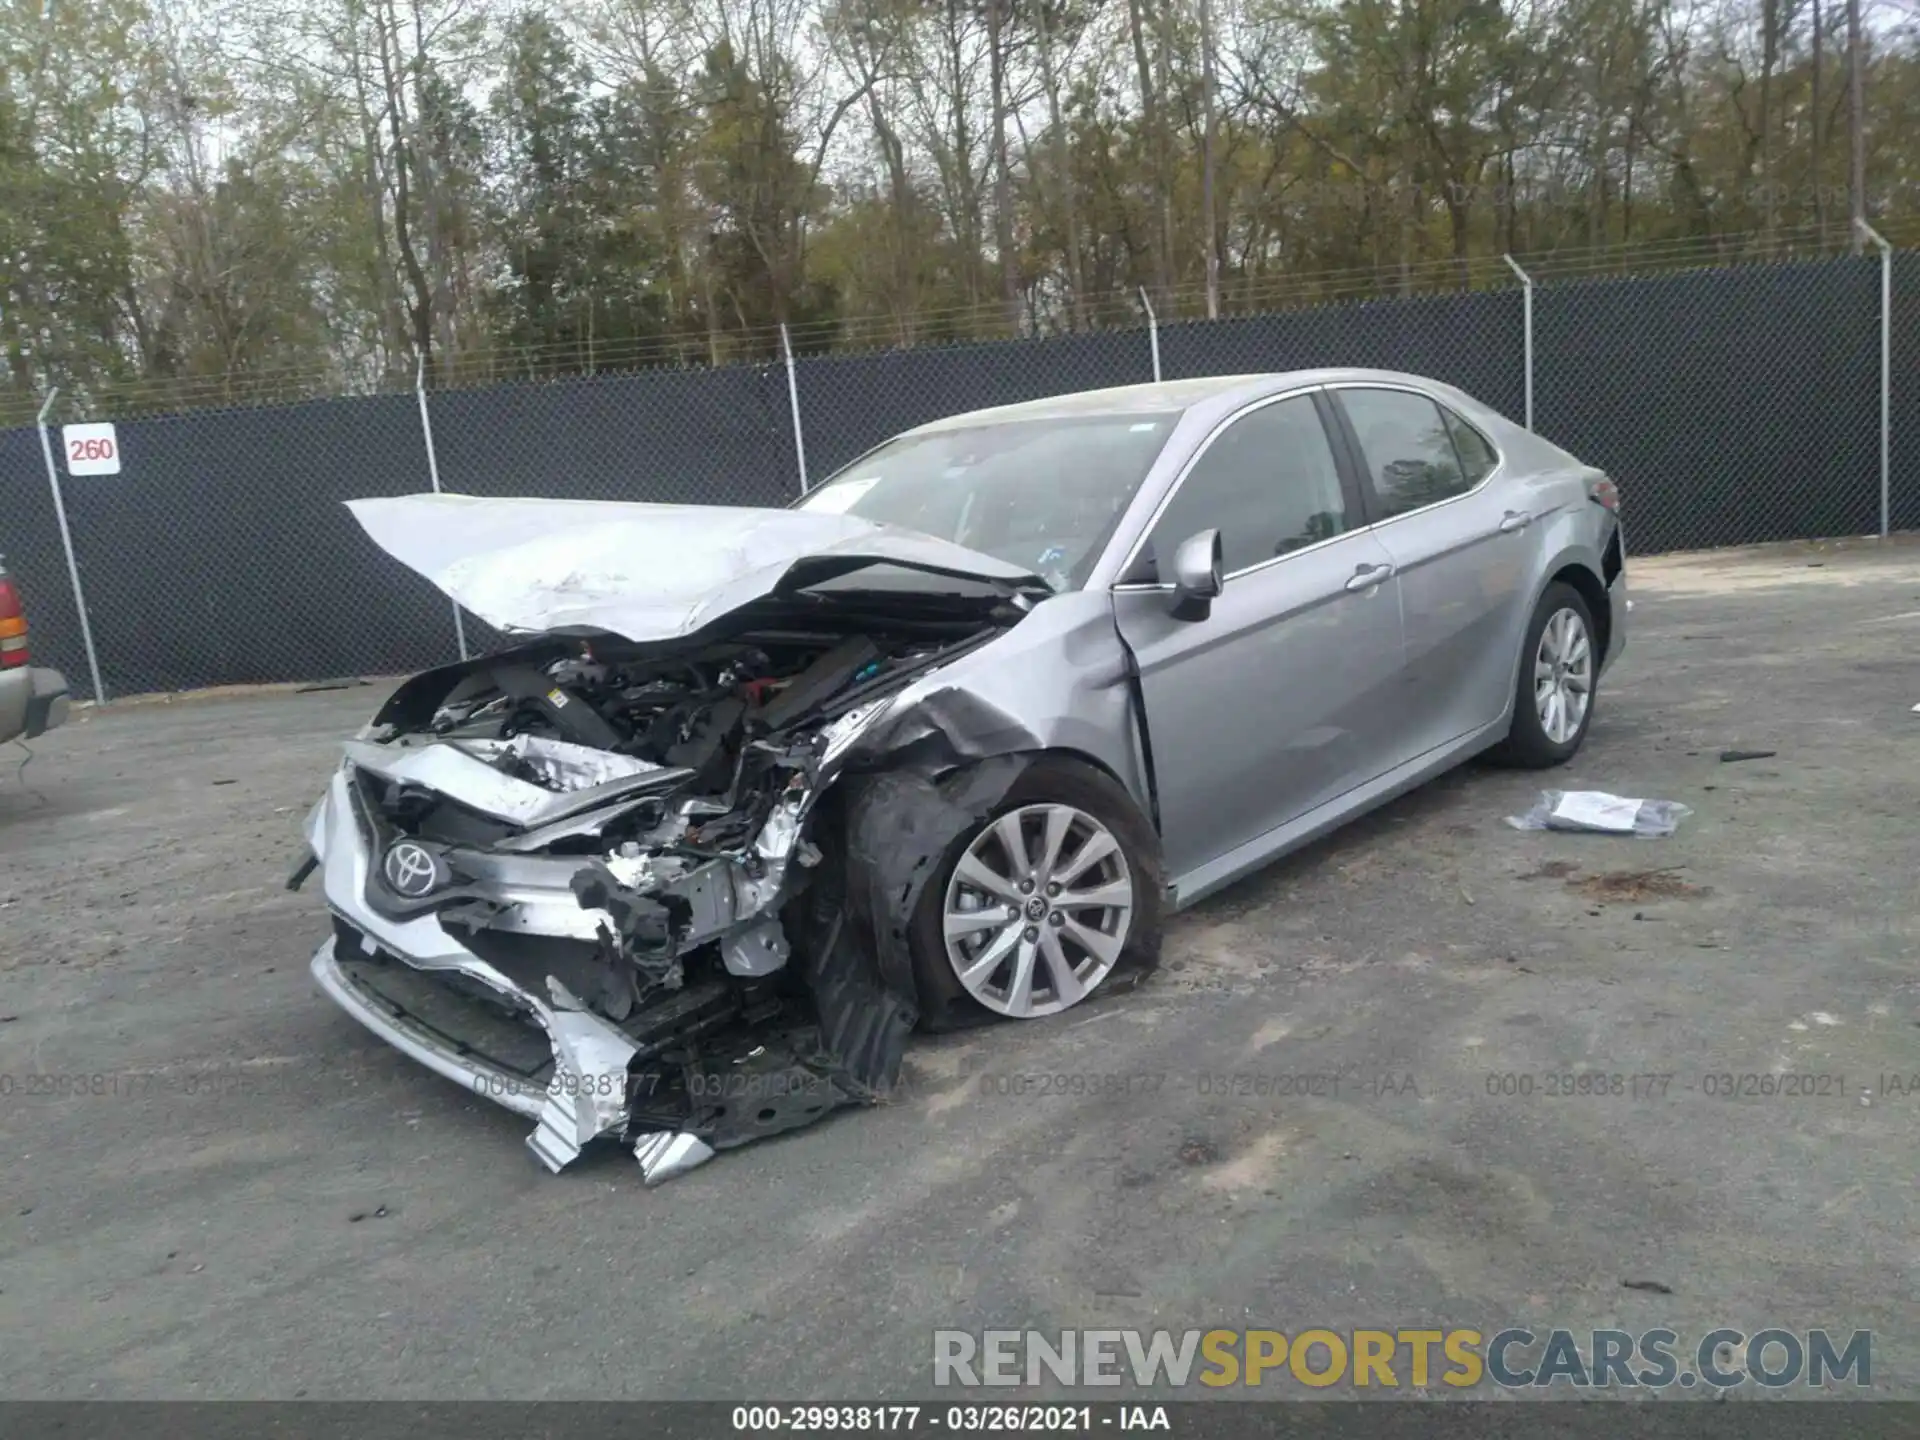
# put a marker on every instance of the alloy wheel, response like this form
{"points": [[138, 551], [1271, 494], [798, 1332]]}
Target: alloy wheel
{"points": [[1037, 910], [1563, 675]]}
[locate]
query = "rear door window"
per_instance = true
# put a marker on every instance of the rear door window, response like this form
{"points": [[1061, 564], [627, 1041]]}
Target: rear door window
{"points": [[1406, 448]]}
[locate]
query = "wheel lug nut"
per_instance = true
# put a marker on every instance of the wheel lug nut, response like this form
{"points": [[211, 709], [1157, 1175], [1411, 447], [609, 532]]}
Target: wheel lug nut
{"points": [[1054, 888], [1058, 917], [1026, 887], [1032, 934]]}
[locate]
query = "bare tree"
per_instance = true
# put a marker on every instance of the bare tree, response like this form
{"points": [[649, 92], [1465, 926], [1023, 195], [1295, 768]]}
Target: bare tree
{"points": [[213, 189], [1818, 121], [1856, 126], [1064, 187], [1002, 176], [1158, 140], [1210, 214]]}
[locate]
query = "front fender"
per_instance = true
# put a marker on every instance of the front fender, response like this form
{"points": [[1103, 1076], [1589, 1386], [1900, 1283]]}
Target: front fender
{"points": [[1058, 681]]}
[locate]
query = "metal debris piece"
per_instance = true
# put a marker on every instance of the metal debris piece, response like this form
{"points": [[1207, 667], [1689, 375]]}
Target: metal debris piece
{"points": [[755, 950], [665, 1154]]}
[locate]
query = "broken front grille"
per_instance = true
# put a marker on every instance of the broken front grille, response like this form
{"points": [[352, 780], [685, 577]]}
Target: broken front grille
{"points": [[444, 1010]]}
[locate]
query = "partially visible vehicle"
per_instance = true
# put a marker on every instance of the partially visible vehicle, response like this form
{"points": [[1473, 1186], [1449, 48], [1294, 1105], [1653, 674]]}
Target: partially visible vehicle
{"points": [[33, 699]]}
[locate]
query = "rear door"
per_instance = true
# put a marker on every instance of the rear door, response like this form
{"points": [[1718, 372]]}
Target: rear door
{"points": [[1460, 548], [1277, 700]]}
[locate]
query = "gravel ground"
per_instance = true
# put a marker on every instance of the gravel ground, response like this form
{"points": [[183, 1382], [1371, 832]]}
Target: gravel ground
{"points": [[266, 1202]]}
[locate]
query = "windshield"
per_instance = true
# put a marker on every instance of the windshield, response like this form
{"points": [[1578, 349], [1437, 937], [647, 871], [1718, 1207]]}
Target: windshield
{"points": [[1044, 494]]}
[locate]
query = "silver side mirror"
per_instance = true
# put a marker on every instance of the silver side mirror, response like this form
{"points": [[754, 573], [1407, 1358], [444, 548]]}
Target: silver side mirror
{"points": [[1199, 574]]}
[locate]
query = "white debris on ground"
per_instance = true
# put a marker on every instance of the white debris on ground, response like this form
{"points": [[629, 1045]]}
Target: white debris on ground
{"points": [[1596, 812]]}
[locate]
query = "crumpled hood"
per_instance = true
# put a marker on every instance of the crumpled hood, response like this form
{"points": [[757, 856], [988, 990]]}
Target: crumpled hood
{"points": [[643, 572]]}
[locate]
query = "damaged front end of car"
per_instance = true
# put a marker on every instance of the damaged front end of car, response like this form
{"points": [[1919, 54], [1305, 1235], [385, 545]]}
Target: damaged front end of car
{"points": [[602, 884]]}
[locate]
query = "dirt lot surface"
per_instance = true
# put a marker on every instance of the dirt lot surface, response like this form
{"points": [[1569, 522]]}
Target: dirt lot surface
{"points": [[265, 1201]]}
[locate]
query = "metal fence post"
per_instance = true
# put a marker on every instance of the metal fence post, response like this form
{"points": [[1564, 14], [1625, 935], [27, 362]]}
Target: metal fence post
{"points": [[66, 541], [793, 401], [1153, 333], [433, 474], [1526, 301], [1886, 372]]}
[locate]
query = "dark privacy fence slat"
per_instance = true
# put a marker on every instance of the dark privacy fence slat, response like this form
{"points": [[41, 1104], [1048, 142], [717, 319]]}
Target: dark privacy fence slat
{"points": [[223, 552], [1732, 406], [690, 437], [850, 403], [1905, 489], [1474, 342]]}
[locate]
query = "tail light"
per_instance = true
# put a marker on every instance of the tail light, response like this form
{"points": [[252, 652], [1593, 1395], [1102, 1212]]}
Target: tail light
{"points": [[1606, 493], [13, 626]]}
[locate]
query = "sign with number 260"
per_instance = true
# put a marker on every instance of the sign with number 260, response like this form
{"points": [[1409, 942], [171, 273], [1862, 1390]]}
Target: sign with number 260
{"points": [[90, 449]]}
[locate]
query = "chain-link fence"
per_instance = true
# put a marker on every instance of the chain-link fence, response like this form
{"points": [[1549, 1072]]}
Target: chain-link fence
{"points": [[1903, 364], [1732, 405]]}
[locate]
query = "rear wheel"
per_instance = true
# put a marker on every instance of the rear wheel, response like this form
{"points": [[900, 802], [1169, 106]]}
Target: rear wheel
{"points": [[1054, 895], [1559, 667]]}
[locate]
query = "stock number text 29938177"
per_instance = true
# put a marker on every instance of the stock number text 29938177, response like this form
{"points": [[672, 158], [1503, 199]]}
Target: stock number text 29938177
{"points": [[963, 1419]]}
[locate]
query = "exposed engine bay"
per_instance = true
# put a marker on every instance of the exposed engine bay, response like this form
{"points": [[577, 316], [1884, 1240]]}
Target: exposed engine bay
{"points": [[639, 849]]}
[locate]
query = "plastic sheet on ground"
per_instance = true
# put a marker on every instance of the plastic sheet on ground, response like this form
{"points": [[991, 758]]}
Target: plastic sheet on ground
{"points": [[1595, 812]]}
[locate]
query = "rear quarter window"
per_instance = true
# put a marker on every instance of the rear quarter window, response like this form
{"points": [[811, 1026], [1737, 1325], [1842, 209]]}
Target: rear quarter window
{"points": [[1477, 455]]}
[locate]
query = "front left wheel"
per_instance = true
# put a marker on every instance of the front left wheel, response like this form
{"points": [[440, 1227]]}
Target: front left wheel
{"points": [[1053, 895]]}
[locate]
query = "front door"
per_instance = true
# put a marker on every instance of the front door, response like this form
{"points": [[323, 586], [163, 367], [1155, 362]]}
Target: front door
{"points": [[1279, 699]]}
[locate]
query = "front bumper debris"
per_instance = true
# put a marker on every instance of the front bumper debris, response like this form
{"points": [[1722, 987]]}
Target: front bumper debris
{"points": [[659, 897], [580, 1096], [519, 1037]]}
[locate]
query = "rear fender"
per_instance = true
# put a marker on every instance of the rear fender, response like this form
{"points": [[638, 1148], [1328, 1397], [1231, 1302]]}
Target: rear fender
{"points": [[1571, 557]]}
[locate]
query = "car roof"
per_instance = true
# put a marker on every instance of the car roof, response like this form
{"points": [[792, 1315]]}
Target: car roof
{"points": [[1164, 396]]}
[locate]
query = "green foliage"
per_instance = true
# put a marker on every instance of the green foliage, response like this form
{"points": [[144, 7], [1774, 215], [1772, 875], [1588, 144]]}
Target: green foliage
{"points": [[299, 196]]}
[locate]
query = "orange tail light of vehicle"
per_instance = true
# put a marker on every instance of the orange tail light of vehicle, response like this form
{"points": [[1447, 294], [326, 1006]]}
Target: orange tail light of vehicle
{"points": [[13, 626]]}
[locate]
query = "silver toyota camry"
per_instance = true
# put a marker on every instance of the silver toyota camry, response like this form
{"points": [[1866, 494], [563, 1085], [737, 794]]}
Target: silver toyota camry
{"points": [[750, 794]]}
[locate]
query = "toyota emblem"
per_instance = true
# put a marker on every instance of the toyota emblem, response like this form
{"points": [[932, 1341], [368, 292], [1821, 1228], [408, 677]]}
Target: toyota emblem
{"points": [[411, 869]]}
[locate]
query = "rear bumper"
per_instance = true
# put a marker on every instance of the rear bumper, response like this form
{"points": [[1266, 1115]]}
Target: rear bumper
{"points": [[1622, 608], [1619, 606], [49, 705], [33, 700]]}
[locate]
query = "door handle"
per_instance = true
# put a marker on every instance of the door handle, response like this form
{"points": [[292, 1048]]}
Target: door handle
{"points": [[1514, 520], [1368, 576]]}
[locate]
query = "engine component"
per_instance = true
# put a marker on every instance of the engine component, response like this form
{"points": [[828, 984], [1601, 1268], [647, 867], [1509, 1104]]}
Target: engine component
{"points": [[702, 744], [645, 932], [755, 950], [572, 717], [559, 765], [820, 681]]}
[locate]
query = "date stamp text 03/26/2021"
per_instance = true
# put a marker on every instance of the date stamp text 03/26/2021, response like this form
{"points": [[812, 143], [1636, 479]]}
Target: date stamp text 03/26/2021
{"points": [[1384, 1083]]}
